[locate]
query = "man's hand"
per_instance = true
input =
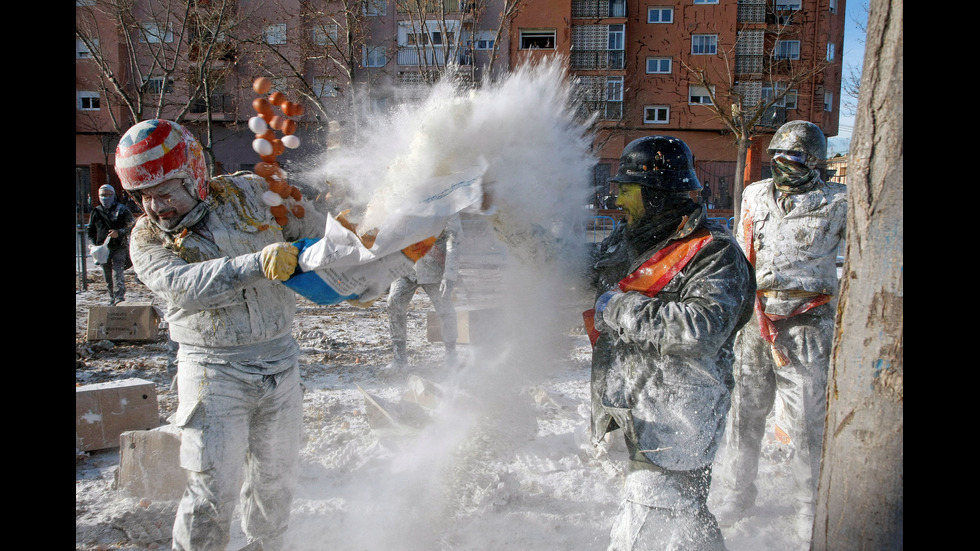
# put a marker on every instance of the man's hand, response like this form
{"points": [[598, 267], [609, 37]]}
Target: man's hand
{"points": [[600, 307], [279, 261], [446, 286]]}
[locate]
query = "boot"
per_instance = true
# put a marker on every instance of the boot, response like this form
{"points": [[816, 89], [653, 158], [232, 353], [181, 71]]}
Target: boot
{"points": [[451, 359], [399, 355]]}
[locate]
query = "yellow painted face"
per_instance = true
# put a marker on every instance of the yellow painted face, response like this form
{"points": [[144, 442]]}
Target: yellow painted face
{"points": [[630, 199]]}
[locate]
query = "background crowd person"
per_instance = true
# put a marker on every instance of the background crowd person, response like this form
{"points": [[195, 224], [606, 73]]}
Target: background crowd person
{"points": [[436, 273], [672, 288], [791, 227], [113, 220], [211, 250]]}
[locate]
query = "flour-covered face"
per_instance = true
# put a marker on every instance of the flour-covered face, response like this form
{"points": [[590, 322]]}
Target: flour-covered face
{"points": [[167, 203], [630, 199]]}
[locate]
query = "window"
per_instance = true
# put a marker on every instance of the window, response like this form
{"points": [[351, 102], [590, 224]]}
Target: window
{"points": [[698, 95], [828, 101], [704, 44], [705, 1], [375, 56], [82, 51], [538, 39], [658, 65], [787, 49], [375, 7], [656, 114], [155, 85], [325, 35], [275, 33], [614, 98], [483, 40], [617, 8], [152, 34], [325, 87], [660, 15], [88, 101], [833, 6], [789, 99], [830, 51], [786, 5]]}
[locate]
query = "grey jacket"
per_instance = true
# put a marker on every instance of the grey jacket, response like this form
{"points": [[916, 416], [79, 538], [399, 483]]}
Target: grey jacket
{"points": [[662, 367], [211, 278]]}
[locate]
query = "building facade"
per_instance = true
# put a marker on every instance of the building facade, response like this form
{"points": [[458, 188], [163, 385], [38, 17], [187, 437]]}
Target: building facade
{"points": [[640, 67]]}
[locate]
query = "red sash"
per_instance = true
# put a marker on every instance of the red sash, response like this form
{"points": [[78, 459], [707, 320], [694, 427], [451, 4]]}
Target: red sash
{"points": [[654, 274]]}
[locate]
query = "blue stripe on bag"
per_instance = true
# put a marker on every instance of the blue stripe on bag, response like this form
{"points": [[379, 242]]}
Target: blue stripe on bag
{"points": [[310, 285]]}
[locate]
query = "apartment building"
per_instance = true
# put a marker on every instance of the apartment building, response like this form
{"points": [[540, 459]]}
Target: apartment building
{"points": [[668, 67], [633, 63]]}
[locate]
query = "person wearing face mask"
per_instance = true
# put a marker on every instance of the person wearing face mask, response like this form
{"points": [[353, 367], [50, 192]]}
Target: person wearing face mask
{"points": [[213, 252], [436, 273], [673, 288], [112, 220], [791, 227]]}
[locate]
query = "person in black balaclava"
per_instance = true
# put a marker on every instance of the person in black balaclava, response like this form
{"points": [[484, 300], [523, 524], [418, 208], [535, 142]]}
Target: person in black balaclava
{"points": [[672, 289], [112, 219]]}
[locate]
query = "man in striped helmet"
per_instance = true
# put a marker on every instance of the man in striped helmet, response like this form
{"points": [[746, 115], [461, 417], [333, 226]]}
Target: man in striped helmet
{"points": [[212, 251]]}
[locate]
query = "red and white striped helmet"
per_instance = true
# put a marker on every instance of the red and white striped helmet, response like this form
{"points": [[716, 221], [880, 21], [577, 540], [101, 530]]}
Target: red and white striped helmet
{"points": [[157, 150]]}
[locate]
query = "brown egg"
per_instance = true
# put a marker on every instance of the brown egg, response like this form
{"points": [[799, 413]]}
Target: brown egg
{"points": [[276, 98], [262, 85], [268, 135], [277, 147], [262, 107], [298, 211], [295, 193], [297, 110], [265, 169], [288, 127], [268, 158], [276, 122]]}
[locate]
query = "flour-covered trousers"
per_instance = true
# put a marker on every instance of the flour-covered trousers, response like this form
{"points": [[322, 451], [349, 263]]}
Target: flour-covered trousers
{"points": [[240, 438], [114, 270], [401, 293], [802, 387], [665, 511]]}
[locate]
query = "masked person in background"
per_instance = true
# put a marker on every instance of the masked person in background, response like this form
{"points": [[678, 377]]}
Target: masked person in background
{"points": [[673, 288], [113, 220], [791, 227], [436, 273], [212, 251]]}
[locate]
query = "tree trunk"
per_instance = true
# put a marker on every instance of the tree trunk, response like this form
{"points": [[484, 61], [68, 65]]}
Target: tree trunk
{"points": [[742, 151], [860, 502]]}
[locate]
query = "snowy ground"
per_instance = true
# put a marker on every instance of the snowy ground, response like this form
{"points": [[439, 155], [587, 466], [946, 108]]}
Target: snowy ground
{"points": [[502, 462]]}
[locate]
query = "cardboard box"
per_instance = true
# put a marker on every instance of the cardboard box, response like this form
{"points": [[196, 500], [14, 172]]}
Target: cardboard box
{"points": [[472, 324], [149, 464], [103, 411], [124, 322]]}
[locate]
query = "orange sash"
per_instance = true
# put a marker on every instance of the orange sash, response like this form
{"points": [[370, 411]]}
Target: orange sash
{"points": [[654, 274]]}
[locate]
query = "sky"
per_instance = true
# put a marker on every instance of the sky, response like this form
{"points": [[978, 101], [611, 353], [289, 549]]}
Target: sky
{"points": [[856, 15]]}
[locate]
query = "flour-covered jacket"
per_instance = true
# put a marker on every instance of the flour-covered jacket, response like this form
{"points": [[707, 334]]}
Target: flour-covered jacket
{"points": [[211, 276], [794, 250], [662, 369], [443, 258]]}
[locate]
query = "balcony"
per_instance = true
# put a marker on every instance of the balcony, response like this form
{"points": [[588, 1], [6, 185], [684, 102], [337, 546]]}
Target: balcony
{"points": [[749, 64], [415, 56], [585, 60]]}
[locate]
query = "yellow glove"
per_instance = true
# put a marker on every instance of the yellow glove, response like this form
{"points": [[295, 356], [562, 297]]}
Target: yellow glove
{"points": [[279, 261]]}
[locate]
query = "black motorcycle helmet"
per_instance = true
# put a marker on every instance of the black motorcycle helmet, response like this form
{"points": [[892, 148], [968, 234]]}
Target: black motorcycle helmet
{"points": [[662, 163]]}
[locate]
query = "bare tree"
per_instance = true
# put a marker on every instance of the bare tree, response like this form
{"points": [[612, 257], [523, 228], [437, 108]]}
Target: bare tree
{"points": [[737, 102], [147, 74], [860, 501]]}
